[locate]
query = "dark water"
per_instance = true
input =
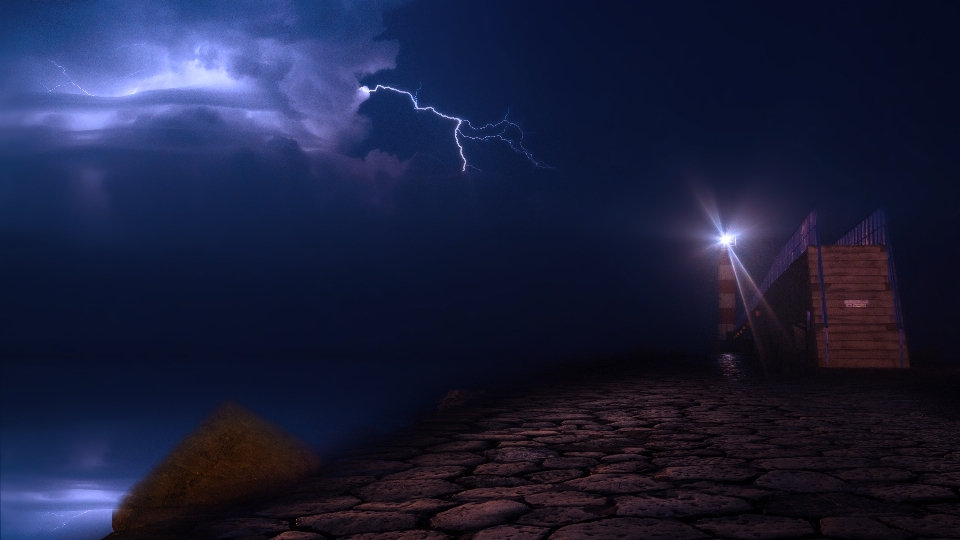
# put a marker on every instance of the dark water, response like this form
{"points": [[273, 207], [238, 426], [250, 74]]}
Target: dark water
{"points": [[77, 435]]}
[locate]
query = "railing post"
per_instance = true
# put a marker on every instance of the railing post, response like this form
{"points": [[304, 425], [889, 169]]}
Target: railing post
{"points": [[892, 274]]}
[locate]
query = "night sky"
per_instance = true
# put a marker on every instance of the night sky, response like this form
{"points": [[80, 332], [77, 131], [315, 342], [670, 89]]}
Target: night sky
{"points": [[200, 191]]}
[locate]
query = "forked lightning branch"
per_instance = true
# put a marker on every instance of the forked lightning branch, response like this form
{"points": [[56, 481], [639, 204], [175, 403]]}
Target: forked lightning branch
{"points": [[464, 129]]}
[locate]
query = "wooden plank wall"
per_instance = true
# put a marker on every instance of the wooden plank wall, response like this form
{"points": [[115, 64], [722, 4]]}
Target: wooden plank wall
{"points": [[863, 331]]}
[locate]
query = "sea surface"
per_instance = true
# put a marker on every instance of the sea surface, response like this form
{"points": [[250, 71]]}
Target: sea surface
{"points": [[75, 435]]}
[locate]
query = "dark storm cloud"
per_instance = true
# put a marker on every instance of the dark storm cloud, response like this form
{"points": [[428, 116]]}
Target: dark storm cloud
{"points": [[163, 250], [291, 67], [101, 100], [190, 174], [243, 143]]}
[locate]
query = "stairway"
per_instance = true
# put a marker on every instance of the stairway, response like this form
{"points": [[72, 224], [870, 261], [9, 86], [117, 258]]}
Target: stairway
{"points": [[860, 309]]}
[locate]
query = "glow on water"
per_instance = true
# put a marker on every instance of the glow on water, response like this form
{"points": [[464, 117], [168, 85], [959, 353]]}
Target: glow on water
{"points": [[77, 435]]}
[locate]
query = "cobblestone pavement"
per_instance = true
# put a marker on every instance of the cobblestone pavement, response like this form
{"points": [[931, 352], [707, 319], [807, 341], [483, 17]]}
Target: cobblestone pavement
{"points": [[658, 457]]}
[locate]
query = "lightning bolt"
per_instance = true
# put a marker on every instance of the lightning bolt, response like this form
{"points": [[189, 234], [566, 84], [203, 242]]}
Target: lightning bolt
{"points": [[69, 82], [68, 520], [495, 130]]}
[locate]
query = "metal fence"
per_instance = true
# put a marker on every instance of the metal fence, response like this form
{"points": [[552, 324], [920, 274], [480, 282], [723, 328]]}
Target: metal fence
{"points": [[871, 231]]}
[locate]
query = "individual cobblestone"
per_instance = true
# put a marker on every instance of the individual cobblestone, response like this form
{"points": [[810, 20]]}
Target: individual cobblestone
{"points": [[860, 528], [428, 473], [402, 490], [569, 463], [933, 526], [683, 504], [489, 481], [754, 527], [512, 493], [416, 505], [554, 476], [246, 527], [351, 522], [662, 457], [298, 535], [479, 515], [512, 532], [942, 479], [505, 455], [623, 528], [293, 510], [506, 469], [913, 493], [462, 459], [813, 463], [553, 516], [399, 535], [718, 473], [800, 481], [818, 505], [875, 474]]}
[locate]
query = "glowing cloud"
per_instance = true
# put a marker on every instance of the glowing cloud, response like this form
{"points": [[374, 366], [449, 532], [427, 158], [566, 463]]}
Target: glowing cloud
{"points": [[280, 65]]}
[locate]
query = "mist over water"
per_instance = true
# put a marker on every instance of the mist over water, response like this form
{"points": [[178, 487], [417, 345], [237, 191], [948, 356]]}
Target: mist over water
{"points": [[77, 434]]}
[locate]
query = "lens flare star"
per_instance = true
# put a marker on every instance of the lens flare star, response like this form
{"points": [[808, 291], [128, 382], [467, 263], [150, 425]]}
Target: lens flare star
{"points": [[494, 131]]}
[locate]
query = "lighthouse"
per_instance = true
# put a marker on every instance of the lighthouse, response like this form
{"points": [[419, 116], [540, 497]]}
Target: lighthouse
{"points": [[727, 285]]}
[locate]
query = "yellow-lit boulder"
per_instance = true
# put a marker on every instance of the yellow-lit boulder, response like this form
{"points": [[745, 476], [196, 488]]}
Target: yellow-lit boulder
{"points": [[233, 455]]}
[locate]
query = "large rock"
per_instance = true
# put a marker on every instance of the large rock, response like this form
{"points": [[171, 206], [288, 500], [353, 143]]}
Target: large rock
{"points": [[233, 455]]}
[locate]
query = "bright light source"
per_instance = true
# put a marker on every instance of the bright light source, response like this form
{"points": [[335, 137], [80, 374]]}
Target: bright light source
{"points": [[728, 240]]}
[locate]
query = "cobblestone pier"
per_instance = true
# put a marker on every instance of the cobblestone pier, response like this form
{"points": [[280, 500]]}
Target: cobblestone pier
{"points": [[656, 456]]}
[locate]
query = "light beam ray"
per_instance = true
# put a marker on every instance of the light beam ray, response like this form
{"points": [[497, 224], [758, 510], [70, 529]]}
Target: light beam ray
{"points": [[745, 282], [482, 133], [709, 206]]}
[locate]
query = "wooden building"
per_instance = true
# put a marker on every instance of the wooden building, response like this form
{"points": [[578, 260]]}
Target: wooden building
{"points": [[832, 306]]}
